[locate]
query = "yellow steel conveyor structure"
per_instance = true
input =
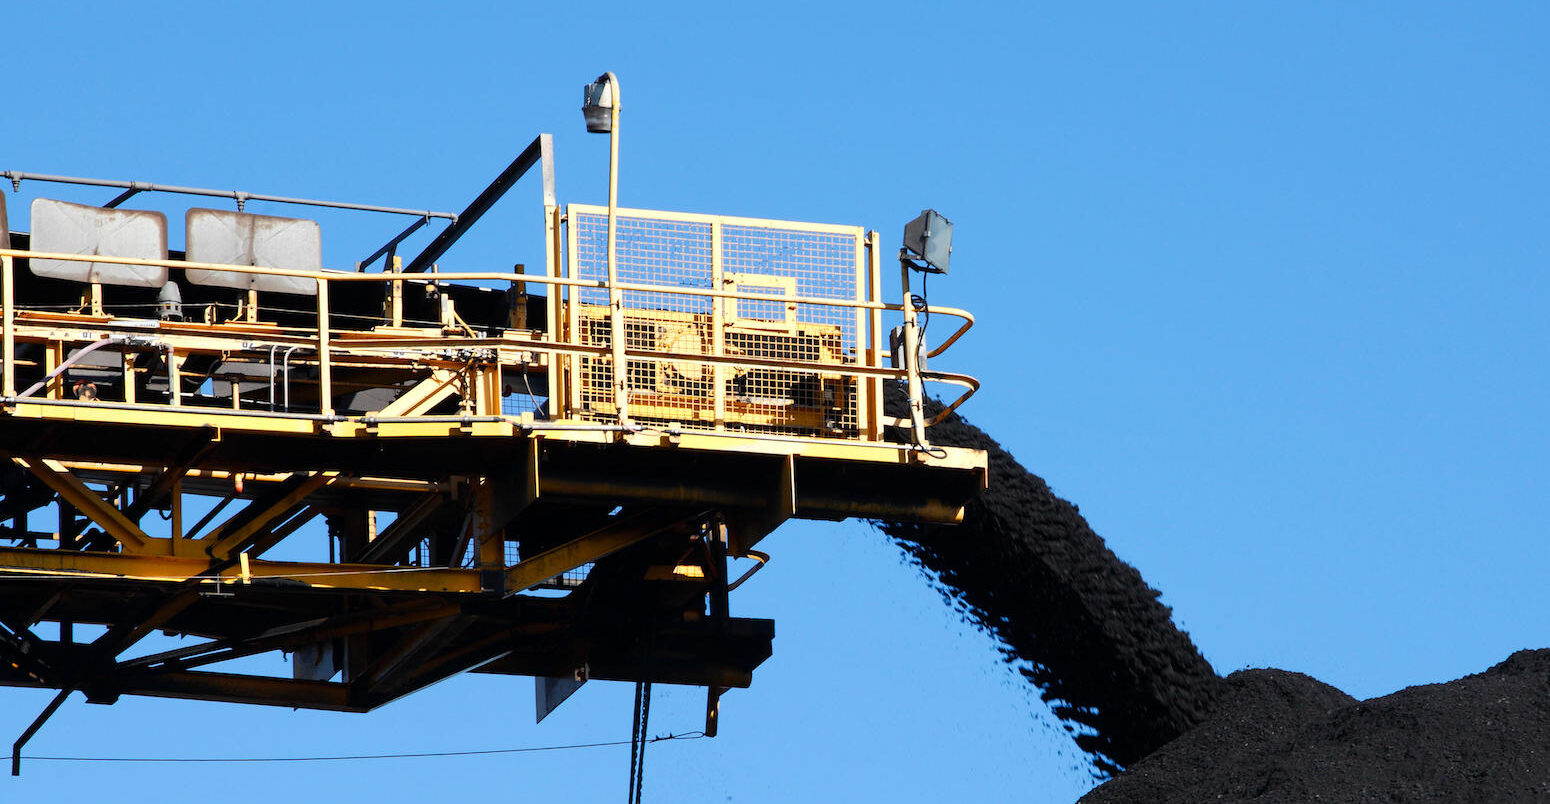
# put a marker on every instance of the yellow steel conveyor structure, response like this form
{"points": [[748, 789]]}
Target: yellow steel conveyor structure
{"points": [[478, 498]]}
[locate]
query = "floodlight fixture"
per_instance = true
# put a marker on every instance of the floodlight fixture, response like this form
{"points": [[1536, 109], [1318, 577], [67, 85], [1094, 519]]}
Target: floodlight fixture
{"points": [[601, 107], [598, 104], [928, 242]]}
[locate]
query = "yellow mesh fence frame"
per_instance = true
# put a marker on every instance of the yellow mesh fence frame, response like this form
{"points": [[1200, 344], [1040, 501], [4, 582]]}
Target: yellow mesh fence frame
{"points": [[799, 385]]}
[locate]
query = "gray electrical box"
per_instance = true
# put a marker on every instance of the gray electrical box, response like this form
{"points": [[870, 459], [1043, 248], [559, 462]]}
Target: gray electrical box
{"points": [[929, 239]]}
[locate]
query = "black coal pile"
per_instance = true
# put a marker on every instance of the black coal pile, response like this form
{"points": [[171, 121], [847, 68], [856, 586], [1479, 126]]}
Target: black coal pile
{"points": [[1275, 736], [1080, 623]]}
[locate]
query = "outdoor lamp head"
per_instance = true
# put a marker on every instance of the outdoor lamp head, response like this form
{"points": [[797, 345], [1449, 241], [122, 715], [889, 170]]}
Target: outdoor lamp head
{"points": [[929, 239], [598, 105]]}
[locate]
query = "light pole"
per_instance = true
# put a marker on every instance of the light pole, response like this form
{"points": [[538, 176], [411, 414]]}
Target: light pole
{"points": [[928, 248], [600, 106]]}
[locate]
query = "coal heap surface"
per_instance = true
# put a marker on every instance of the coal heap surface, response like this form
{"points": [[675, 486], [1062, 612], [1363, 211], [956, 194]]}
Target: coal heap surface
{"points": [[1275, 736], [1081, 624]]}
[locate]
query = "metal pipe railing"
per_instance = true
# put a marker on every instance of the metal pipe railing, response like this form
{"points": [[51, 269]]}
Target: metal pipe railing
{"points": [[508, 276], [17, 177], [324, 339]]}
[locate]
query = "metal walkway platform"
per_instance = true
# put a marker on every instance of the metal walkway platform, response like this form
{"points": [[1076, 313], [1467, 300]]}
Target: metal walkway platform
{"points": [[397, 476]]}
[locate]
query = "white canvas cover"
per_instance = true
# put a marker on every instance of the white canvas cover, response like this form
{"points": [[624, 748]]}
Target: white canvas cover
{"points": [[65, 228], [238, 238]]}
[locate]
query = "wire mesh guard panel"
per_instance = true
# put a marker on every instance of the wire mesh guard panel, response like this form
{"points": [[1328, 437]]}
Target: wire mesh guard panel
{"points": [[567, 580], [807, 393], [518, 395]]}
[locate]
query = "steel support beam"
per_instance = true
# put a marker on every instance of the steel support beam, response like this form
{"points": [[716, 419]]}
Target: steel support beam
{"points": [[236, 688], [591, 547], [392, 543], [242, 530], [540, 149], [294, 635], [425, 394], [173, 569], [447, 664], [168, 479], [122, 637], [403, 658], [73, 491]]}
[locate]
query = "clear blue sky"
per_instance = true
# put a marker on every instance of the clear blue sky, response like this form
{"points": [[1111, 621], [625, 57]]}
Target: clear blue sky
{"points": [[1261, 287]]}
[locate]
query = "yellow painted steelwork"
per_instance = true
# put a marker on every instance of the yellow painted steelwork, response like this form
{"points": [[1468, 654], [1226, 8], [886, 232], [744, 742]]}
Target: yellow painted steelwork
{"points": [[468, 523]]}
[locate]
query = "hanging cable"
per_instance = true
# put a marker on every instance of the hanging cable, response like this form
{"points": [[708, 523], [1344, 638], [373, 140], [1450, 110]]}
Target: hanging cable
{"points": [[530, 396], [639, 740], [642, 720], [921, 306], [635, 741], [688, 735]]}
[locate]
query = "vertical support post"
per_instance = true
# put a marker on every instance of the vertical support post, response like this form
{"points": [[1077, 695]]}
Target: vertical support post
{"points": [[615, 296], [720, 612], [490, 388], [517, 316], [396, 311], [7, 299], [175, 495], [325, 368], [912, 361], [489, 540], [573, 327], [174, 377], [712, 710], [53, 356], [68, 529], [252, 305], [552, 324], [718, 330], [720, 605], [863, 394], [94, 299], [874, 431], [126, 360]]}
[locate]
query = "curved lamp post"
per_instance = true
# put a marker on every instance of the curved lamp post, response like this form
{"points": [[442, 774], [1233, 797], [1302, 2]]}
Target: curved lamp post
{"points": [[600, 106]]}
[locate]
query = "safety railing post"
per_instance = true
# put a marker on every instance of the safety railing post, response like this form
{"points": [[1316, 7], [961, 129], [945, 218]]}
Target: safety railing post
{"points": [[325, 370], [912, 360], [861, 347], [174, 377], [874, 293], [576, 355], [718, 332], [574, 398], [396, 290], [553, 327], [9, 302]]}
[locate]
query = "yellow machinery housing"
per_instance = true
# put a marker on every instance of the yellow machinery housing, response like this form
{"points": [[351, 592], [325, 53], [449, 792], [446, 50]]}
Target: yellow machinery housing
{"points": [[484, 502]]}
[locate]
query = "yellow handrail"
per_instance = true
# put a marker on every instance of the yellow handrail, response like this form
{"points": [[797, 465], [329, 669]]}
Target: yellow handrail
{"points": [[557, 348]]}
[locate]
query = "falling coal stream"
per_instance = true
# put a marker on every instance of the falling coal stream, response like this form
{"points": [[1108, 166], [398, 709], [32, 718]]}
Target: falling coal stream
{"points": [[1139, 697], [1080, 623]]}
